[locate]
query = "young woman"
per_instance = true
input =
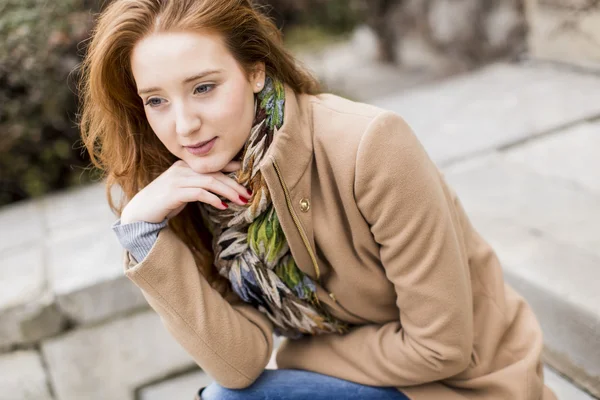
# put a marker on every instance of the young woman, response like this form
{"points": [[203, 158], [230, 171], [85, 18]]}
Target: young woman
{"points": [[256, 205]]}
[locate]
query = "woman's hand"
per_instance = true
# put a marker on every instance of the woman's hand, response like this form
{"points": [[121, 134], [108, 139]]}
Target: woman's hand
{"points": [[168, 194]]}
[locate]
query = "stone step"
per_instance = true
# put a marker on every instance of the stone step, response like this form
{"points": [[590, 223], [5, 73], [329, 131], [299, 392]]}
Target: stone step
{"points": [[23, 377], [499, 105], [545, 232], [519, 143], [563, 388], [61, 265], [112, 360]]}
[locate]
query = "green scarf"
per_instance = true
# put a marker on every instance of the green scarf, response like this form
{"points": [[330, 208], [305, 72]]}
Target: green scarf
{"points": [[250, 248]]}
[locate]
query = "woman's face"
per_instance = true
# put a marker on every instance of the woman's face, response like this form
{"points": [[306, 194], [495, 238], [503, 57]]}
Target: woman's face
{"points": [[194, 91]]}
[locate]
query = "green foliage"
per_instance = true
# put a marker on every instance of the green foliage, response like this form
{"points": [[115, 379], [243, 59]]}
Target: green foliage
{"points": [[307, 38], [336, 16], [331, 16], [38, 133]]}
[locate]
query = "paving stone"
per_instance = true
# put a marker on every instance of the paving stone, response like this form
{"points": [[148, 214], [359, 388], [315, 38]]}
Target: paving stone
{"points": [[22, 276], [21, 224], [546, 233], [86, 274], [571, 155], [495, 187], [182, 387], [534, 221], [23, 377], [559, 282], [27, 307], [110, 361], [78, 206], [59, 254], [563, 388], [495, 106]]}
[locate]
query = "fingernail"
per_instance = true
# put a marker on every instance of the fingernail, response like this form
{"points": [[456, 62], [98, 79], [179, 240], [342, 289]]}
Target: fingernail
{"points": [[224, 205], [249, 192], [243, 200]]}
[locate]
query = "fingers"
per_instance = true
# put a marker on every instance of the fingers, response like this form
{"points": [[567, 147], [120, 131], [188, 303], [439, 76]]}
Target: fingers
{"points": [[191, 194], [219, 185], [240, 189], [217, 182]]}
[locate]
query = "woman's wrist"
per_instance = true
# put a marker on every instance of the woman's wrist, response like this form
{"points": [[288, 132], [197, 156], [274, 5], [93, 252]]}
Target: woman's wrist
{"points": [[127, 219]]}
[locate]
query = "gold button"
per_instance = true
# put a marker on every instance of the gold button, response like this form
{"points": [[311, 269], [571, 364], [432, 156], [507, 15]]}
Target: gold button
{"points": [[304, 205]]}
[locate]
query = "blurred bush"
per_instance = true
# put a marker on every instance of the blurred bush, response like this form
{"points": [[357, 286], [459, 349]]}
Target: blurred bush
{"points": [[38, 133], [332, 16]]}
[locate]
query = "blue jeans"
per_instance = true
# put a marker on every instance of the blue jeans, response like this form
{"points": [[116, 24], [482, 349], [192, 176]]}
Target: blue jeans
{"points": [[293, 384]]}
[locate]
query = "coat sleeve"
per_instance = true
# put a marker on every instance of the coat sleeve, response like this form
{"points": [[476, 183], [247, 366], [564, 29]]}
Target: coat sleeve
{"points": [[230, 340], [400, 193]]}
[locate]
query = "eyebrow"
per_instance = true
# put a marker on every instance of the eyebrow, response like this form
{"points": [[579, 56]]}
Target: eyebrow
{"points": [[186, 80]]}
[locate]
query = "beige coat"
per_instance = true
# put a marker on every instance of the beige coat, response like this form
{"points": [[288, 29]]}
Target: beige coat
{"points": [[367, 214]]}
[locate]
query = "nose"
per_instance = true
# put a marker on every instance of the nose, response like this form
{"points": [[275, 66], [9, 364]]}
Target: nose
{"points": [[186, 120]]}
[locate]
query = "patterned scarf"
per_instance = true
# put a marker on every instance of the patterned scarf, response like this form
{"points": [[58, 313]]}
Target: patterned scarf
{"points": [[249, 245]]}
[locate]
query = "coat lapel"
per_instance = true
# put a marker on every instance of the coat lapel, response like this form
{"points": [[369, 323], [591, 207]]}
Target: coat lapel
{"points": [[287, 171]]}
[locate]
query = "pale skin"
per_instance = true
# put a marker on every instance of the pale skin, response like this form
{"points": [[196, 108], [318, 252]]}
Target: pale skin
{"points": [[217, 103]]}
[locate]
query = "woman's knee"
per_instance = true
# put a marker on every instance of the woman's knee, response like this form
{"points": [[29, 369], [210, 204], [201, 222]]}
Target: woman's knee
{"points": [[214, 391], [266, 382]]}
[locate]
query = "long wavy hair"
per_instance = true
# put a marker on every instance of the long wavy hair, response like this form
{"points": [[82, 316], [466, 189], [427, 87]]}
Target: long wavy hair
{"points": [[113, 124]]}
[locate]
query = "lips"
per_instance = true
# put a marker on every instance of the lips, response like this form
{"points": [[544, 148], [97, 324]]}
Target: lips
{"points": [[199, 144], [202, 148]]}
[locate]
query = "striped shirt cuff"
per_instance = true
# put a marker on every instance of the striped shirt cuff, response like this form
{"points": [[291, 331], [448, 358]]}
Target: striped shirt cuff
{"points": [[138, 237]]}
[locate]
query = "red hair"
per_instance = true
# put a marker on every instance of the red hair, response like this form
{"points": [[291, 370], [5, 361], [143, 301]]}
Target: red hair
{"points": [[113, 124]]}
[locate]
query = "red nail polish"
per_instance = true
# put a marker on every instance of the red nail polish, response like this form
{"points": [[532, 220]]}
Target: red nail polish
{"points": [[249, 192], [224, 205], [243, 200]]}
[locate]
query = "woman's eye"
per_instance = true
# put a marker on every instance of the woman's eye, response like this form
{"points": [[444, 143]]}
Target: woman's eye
{"points": [[203, 88], [151, 102]]}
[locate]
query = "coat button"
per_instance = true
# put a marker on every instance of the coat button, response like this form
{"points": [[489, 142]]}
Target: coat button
{"points": [[304, 205]]}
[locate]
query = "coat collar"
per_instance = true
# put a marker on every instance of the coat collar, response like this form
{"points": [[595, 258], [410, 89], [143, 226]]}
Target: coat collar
{"points": [[286, 169], [292, 146]]}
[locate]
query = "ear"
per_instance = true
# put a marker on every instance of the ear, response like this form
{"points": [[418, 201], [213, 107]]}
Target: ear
{"points": [[257, 77]]}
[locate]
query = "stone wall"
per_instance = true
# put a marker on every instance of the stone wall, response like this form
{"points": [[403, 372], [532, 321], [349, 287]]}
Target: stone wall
{"points": [[448, 34], [566, 31]]}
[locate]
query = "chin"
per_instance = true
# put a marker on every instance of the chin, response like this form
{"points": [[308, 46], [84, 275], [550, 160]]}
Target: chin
{"points": [[207, 165]]}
